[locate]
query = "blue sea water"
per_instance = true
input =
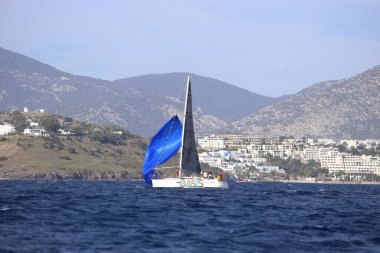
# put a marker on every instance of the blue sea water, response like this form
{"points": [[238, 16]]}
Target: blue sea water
{"points": [[112, 216]]}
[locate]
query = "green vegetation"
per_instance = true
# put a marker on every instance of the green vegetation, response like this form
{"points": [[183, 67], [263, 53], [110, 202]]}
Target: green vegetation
{"points": [[64, 157], [340, 173], [359, 150], [296, 168], [50, 123], [372, 177], [362, 150], [91, 151], [18, 120], [71, 150], [30, 157]]}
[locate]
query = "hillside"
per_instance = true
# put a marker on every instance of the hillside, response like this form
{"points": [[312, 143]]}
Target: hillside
{"points": [[93, 152], [141, 104], [348, 108], [68, 157]]}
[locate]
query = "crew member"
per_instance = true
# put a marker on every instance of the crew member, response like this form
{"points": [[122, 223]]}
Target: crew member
{"points": [[220, 176]]}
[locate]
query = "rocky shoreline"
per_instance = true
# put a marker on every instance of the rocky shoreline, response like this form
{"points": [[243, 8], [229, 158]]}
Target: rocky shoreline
{"points": [[63, 175]]}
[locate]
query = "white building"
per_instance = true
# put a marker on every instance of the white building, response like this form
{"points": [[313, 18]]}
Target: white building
{"points": [[6, 128], [326, 141], [254, 148], [65, 132], [274, 150], [221, 160], [289, 141], [315, 153], [311, 153], [352, 165], [213, 159], [266, 168], [328, 152], [35, 132], [211, 142], [287, 149], [350, 143], [231, 167]]}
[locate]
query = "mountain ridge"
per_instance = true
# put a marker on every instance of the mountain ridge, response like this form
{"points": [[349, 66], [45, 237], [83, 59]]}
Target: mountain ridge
{"points": [[124, 102], [346, 108]]}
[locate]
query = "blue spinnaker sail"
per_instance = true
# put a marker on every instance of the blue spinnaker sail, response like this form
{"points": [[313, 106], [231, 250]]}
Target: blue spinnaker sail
{"points": [[162, 147]]}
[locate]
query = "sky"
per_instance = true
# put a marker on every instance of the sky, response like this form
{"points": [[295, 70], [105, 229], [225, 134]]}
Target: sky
{"points": [[269, 47]]}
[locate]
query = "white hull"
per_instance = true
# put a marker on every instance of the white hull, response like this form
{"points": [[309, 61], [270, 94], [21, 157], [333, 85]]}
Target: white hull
{"points": [[189, 182]]}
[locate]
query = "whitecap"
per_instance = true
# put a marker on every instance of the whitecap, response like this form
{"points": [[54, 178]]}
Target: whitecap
{"points": [[181, 205]]}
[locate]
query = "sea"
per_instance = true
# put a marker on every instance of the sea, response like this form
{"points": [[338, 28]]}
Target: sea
{"points": [[124, 216]]}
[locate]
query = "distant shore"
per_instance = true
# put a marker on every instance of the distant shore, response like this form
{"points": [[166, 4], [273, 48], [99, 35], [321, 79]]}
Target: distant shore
{"points": [[65, 179], [136, 179], [313, 182], [331, 182]]}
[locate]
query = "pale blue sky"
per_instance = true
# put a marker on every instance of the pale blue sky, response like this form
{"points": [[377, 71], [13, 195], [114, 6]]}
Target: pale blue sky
{"points": [[268, 47]]}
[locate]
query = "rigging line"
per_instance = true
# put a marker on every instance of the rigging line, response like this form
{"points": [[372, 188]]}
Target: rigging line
{"points": [[166, 141], [181, 101], [170, 130]]}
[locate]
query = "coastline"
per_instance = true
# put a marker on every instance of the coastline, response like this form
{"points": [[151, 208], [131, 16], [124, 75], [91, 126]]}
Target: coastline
{"points": [[67, 179], [138, 179], [313, 182], [66, 175], [331, 182]]}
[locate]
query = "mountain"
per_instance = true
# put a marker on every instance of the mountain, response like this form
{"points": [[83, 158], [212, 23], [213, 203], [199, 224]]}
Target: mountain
{"points": [[141, 104], [348, 108]]}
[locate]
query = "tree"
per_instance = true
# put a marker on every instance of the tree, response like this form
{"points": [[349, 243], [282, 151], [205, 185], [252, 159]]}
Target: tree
{"points": [[372, 177], [342, 148], [355, 151], [340, 173], [19, 121], [243, 174], [68, 119], [51, 124], [71, 150]]}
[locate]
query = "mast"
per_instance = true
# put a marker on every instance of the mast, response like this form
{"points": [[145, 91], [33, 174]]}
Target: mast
{"points": [[184, 124], [189, 160]]}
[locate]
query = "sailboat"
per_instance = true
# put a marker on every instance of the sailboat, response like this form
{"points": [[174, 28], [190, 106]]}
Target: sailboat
{"points": [[174, 136]]}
